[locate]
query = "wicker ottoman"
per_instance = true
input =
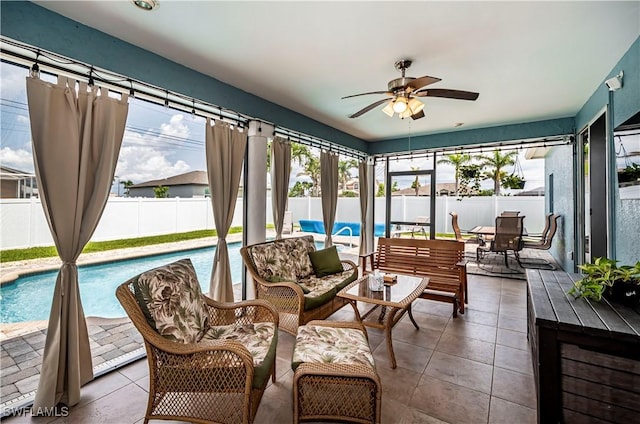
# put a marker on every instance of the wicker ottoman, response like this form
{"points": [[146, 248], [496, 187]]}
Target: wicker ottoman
{"points": [[335, 376]]}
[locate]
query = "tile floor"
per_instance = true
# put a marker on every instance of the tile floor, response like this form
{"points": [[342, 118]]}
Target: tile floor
{"points": [[472, 369]]}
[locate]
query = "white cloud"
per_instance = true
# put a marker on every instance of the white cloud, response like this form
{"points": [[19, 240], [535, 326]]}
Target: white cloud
{"points": [[19, 159], [143, 163], [175, 127]]}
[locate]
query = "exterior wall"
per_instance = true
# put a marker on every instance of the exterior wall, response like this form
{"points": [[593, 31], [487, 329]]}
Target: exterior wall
{"points": [[24, 224], [8, 189], [628, 231], [559, 162]]}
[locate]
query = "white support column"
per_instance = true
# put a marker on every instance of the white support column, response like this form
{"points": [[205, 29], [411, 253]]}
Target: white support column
{"points": [[255, 189], [371, 180]]}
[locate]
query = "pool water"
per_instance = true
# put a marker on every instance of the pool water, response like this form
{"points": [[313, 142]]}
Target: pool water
{"points": [[29, 297]]}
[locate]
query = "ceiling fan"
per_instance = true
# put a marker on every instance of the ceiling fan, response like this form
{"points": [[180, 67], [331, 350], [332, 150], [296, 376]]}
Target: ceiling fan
{"points": [[403, 94]]}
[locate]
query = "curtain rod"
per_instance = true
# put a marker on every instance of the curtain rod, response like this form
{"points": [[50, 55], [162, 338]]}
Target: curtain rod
{"points": [[141, 90], [512, 145]]}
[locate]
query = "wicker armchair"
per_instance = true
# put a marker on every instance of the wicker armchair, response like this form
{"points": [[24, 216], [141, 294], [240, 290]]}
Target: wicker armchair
{"points": [[220, 377]]}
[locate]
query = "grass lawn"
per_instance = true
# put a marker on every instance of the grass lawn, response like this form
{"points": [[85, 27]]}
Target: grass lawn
{"points": [[99, 246]]}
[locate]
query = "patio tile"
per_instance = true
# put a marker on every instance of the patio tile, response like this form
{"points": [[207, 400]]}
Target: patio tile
{"points": [[502, 411], [449, 402], [514, 387], [434, 322], [125, 405], [18, 376], [482, 305], [460, 371], [464, 347], [135, 370], [512, 323], [425, 337], [471, 330], [411, 357], [513, 359], [398, 384], [28, 384], [433, 307], [515, 339], [515, 311], [394, 412], [479, 317]]}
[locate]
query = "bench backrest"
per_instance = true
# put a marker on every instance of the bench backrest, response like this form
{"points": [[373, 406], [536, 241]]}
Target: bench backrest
{"points": [[437, 259]]}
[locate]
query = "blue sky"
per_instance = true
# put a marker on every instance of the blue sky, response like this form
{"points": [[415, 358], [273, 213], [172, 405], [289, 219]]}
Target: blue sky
{"points": [[159, 142]]}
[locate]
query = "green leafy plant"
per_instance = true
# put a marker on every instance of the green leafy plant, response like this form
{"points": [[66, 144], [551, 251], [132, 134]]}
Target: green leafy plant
{"points": [[512, 181], [629, 173], [604, 277], [470, 176]]}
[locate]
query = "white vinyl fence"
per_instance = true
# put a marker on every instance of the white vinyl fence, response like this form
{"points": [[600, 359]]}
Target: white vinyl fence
{"points": [[23, 224]]}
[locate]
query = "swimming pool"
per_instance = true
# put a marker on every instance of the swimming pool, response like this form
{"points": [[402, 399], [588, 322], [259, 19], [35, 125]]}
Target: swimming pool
{"points": [[29, 297]]}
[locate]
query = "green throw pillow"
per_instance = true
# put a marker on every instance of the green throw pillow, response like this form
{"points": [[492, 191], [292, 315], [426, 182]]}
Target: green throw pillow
{"points": [[325, 261]]}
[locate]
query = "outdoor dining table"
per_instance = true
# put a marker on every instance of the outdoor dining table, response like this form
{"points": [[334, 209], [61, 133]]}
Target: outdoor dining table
{"points": [[489, 230]]}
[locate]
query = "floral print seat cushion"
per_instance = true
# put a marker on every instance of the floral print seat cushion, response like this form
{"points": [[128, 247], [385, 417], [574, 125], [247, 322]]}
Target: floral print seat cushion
{"points": [[256, 337], [318, 343], [171, 299], [285, 258]]}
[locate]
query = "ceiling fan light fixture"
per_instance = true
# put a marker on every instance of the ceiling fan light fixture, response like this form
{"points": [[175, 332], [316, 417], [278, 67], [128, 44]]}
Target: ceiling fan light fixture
{"points": [[415, 105], [388, 109], [400, 105]]}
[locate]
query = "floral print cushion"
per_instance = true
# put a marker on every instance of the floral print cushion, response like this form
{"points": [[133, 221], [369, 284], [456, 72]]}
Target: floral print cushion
{"points": [[256, 337], [319, 286], [317, 343], [285, 258], [172, 301]]}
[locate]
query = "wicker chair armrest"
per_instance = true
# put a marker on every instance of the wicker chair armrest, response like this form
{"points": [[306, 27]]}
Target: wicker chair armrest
{"points": [[347, 265], [284, 296], [247, 311]]}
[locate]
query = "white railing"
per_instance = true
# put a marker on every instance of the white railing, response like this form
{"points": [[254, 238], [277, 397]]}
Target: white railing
{"points": [[23, 224]]}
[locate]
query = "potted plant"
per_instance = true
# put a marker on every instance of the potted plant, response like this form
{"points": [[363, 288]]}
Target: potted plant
{"points": [[470, 176], [629, 174], [603, 278], [513, 181]]}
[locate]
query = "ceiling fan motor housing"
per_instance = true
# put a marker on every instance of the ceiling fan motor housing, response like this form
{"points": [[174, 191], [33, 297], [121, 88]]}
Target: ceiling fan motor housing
{"points": [[399, 83]]}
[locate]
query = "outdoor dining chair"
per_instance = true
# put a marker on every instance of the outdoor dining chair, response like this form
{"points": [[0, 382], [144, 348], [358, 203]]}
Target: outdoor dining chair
{"points": [[510, 213], [543, 244], [458, 232], [508, 237]]}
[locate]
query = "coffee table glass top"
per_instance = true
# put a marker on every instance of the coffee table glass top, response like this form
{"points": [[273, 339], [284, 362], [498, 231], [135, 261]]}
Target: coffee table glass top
{"points": [[407, 288]]}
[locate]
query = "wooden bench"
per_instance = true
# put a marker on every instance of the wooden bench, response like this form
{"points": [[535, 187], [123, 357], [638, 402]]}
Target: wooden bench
{"points": [[440, 260]]}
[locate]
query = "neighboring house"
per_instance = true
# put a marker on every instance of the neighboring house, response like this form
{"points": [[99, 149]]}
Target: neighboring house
{"points": [[191, 184], [17, 184]]}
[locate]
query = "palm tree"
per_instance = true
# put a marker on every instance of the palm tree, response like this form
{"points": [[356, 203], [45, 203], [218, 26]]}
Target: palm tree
{"points": [[457, 160], [344, 171], [497, 161], [127, 185], [311, 168], [416, 183]]}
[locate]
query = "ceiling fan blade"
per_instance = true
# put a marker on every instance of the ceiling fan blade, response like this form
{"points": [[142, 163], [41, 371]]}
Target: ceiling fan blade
{"points": [[371, 92], [422, 82], [418, 115], [446, 93], [368, 108]]}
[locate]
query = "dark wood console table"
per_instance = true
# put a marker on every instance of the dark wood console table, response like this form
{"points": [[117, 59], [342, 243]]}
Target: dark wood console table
{"points": [[586, 355]]}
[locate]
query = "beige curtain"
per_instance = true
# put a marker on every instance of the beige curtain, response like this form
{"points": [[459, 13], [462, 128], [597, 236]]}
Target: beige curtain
{"points": [[364, 188], [329, 193], [225, 147], [280, 172], [76, 141]]}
